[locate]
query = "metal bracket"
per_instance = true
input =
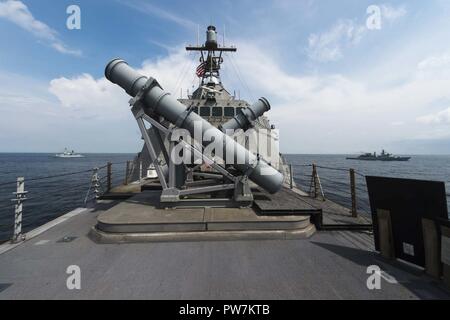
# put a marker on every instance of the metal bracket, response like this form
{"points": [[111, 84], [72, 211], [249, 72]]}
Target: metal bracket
{"points": [[152, 152], [151, 82], [170, 192]]}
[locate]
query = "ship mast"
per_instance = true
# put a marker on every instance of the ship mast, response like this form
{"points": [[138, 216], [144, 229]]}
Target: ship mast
{"points": [[210, 56]]}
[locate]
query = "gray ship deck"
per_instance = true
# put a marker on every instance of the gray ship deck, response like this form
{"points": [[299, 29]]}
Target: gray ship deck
{"points": [[328, 265]]}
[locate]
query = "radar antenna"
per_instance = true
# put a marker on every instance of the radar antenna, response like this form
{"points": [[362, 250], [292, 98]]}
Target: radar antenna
{"points": [[210, 56]]}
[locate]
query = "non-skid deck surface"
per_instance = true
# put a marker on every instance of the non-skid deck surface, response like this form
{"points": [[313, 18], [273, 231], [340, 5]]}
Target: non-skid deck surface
{"points": [[292, 201], [334, 213], [327, 266], [285, 201]]}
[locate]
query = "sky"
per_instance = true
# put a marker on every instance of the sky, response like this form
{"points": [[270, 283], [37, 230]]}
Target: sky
{"points": [[344, 76]]}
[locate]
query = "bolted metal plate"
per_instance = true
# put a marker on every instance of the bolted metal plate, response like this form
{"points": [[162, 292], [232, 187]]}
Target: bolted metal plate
{"points": [[66, 239]]}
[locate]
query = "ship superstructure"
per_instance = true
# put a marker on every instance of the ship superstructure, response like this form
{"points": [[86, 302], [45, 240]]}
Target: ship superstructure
{"points": [[240, 127]]}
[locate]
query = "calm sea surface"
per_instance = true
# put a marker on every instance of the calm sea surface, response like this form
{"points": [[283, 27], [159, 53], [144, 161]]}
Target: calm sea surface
{"points": [[49, 198]]}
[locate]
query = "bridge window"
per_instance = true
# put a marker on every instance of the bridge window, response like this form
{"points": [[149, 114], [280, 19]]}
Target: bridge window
{"points": [[205, 111], [217, 111], [229, 112], [195, 109]]}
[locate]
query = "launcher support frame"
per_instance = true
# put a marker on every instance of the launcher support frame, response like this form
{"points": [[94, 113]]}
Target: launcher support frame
{"points": [[173, 196]]}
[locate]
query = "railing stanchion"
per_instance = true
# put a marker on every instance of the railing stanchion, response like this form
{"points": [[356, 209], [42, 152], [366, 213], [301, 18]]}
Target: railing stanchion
{"points": [[353, 192], [291, 180], [127, 172], [20, 198], [109, 179], [96, 184], [313, 184]]}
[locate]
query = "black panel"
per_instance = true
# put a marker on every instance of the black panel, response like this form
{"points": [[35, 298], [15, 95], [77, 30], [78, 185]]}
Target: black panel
{"points": [[205, 111], [408, 202], [217, 111], [229, 112]]}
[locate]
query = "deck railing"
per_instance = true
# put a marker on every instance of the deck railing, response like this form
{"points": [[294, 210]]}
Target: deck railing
{"points": [[56, 194], [345, 186]]}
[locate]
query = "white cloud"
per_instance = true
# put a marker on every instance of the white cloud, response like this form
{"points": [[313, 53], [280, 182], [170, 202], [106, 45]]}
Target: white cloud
{"points": [[18, 13], [434, 62], [90, 97], [86, 113], [328, 46], [392, 13], [343, 112], [62, 48], [33, 120], [151, 9], [175, 71], [441, 117]]}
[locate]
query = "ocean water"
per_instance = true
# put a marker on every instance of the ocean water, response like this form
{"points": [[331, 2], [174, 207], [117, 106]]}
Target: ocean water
{"points": [[51, 197], [334, 174]]}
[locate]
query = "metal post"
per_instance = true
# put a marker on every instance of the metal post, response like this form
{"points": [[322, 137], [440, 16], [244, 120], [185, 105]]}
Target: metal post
{"points": [[314, 179], [291, 182], [171, 166], [127, 172], [96, 184], [108, 179], [320, 186], [20, 198], [353, 192], [140, 170]]}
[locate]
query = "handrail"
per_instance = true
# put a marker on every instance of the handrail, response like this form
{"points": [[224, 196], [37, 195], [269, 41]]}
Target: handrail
{"points": [[71, 189]]}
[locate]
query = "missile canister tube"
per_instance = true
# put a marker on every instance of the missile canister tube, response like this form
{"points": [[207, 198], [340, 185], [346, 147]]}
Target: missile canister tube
{"points": [[161, 102], [244, 119]]}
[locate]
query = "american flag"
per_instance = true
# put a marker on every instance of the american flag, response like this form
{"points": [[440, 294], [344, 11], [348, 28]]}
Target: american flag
{"points": [[201, 69]]}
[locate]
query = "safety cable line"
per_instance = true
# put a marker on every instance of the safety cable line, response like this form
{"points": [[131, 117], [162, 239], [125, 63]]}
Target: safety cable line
{"points": [[360, 189], [9, 182], [342, 194], [49, 177], [360, 174], [244, 85], [8, 206], [59, 175], [182, 75], [330, 168], [334, 181], [52, 187]]}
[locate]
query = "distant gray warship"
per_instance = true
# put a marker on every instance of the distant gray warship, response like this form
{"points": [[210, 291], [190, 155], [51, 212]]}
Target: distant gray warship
{"points": [[384, 156]]}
